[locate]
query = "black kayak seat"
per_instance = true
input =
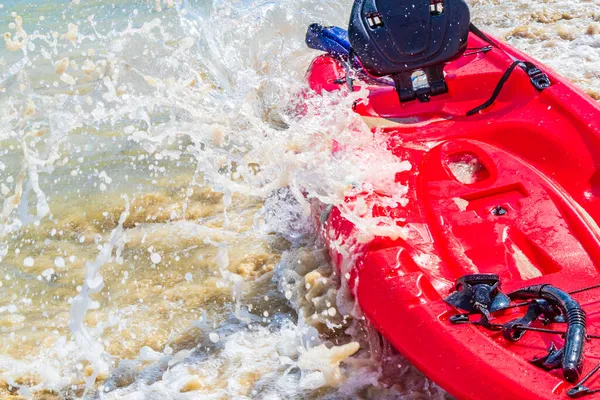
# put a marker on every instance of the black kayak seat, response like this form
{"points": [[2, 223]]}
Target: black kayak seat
{"points": [[398, 37]]}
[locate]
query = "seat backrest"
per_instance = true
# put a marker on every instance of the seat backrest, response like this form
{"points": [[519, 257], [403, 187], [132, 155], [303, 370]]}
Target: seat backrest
{"points": [[398, 36]]}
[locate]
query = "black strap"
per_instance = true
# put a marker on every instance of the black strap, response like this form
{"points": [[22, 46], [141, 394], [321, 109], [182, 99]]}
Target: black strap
{"points": [[497, 90], [481, 35], [538, 78]]}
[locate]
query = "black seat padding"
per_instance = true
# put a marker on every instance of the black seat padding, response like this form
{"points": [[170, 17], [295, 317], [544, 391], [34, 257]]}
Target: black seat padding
{"points": [[397, 37]]}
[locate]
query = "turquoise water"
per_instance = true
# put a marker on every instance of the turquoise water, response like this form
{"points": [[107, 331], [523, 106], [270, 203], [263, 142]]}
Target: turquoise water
{"points": [[154, 239]]}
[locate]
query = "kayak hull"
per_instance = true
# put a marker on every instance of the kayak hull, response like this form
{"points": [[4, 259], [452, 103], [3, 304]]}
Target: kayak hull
{"points": [[513, 190]]}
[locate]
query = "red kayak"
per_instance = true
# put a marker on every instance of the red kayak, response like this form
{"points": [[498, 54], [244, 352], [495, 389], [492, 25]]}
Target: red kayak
{"points": [[492, 292]]}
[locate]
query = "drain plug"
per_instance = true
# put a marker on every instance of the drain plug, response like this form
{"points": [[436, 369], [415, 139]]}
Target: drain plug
{"points": [[499, 210]]}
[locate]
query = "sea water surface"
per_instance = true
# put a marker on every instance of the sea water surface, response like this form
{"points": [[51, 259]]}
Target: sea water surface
{"points": [[154, 160]]}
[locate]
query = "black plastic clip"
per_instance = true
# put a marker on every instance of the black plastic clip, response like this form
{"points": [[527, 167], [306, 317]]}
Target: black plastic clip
{"points": [[460, 319], [477, 51], [550, 361], [538, 78]]}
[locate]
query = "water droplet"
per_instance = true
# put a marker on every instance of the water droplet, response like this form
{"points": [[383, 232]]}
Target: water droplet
{"points": [[155, 258], [214, 337]]}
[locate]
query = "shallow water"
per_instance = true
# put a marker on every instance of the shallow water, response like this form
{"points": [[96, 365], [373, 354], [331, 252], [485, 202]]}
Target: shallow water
{"points": [[154, 237]]}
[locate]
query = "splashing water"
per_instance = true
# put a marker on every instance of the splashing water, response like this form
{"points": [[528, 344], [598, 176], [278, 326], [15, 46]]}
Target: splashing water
{"points": [[209, 282]]}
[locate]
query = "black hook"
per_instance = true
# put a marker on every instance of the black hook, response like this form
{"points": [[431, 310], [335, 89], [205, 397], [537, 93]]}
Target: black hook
{"points": [[579, 390]]}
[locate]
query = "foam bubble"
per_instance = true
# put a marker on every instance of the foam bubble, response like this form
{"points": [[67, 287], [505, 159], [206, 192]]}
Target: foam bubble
{"points": [[155, 258], [214, 337]]}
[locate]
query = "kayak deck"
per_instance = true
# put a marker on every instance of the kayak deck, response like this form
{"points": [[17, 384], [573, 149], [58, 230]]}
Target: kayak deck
{"points": [[513, 190]]}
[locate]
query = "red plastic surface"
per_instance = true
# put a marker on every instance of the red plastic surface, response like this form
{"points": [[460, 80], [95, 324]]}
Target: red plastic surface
{"points": [[535, 154]]}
